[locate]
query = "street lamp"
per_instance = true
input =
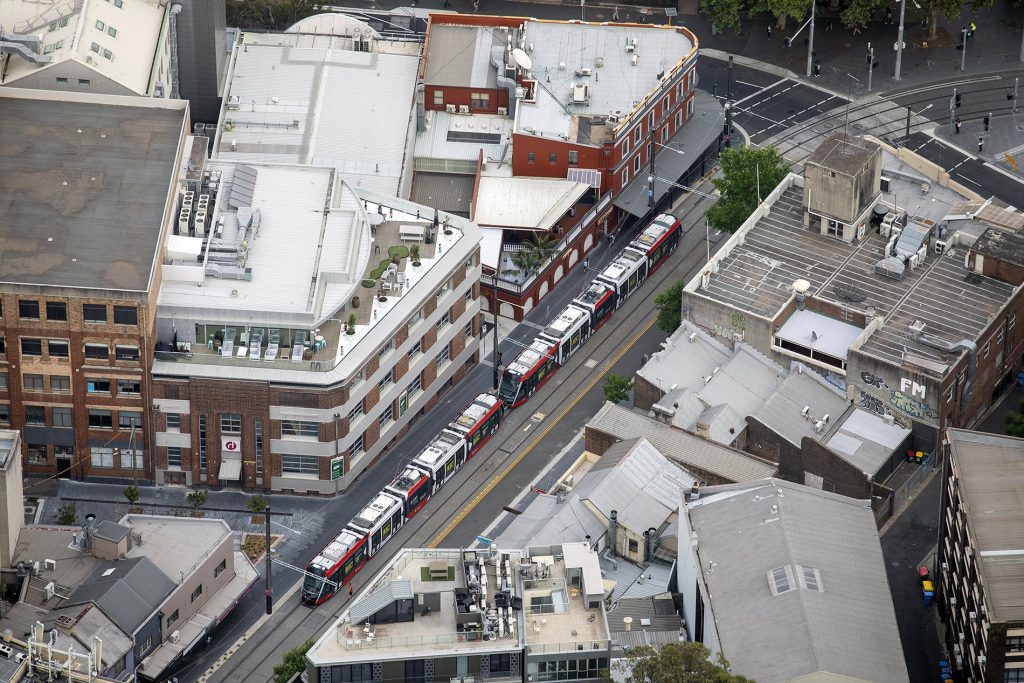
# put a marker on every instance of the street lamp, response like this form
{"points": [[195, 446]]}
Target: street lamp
{"points": [[899, 36]]}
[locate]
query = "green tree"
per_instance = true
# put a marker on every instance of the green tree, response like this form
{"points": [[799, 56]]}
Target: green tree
{"points": [[536, 250], [675, 663], [274, 15], [745, 171], [724, 14], [196, 500], [67, 514], [257, 504], [294, 663], [132, 494], [669, 303], [861, 11], [784, 9], [1015, 421], [616, 388]]}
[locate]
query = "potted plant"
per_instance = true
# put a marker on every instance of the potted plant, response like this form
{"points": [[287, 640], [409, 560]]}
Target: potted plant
{"points": [[351, 323], [380, 293], [414, 251], [447, 230]]}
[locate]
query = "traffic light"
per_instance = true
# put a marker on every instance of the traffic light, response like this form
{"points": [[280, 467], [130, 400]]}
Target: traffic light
{"points": [[956, 100]]}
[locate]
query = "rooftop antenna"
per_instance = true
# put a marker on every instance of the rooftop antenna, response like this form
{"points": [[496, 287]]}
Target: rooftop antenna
{"points": [[846, 124]]}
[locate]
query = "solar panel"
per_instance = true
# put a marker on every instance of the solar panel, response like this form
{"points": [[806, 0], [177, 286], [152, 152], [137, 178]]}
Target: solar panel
{"points": [[473, 136]]}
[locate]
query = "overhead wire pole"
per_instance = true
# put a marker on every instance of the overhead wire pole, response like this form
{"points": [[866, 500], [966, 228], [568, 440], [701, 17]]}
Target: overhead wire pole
{"points": [[899, 45], [810, 42], [268, 591]]}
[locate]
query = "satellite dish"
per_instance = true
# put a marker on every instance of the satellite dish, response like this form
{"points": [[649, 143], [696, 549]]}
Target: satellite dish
{"points": [[522, 59]]}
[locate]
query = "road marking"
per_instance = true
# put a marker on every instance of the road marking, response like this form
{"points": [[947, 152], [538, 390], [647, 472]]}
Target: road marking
{"points": [[590, 364], [966, 179], [294, 531], [942, 86], [504, 473], [758, 92]]}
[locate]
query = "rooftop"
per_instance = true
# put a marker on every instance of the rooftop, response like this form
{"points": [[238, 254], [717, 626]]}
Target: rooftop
{"points": [[758, 266], [9, 444], [525, 203], [843, 153], [128, 591], [621, 78], [1001, 244], [80, 173], [462, 137], [176, 545], [798, 582], [313, 99], [119, 42], [461, 55], [692, 452], [990, 471]]}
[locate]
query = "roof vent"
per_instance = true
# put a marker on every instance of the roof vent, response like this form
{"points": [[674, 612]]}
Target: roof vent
{"points": [[917, 328]]}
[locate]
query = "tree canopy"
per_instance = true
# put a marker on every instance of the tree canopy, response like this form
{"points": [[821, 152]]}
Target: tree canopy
{"points": [[669, 303], [616, 388], [744, 170], [676, 663]]}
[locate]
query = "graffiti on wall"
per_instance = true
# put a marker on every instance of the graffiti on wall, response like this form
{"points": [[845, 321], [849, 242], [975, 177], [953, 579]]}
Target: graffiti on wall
{"points": [[873, 380], [908, 401], [737, 325]]}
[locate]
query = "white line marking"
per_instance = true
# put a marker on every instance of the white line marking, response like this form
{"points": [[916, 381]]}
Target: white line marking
{"points": [[762, 90]]}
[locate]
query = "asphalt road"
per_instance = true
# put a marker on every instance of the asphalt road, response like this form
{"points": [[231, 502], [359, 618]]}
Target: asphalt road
{"points": [[763, 103], [967, 170]]}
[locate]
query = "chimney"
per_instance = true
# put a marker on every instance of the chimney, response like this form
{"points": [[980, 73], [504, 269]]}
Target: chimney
{"points": [[800, 288], [695, 491], [613, 531], [589, 547], [628, 621], [649, 545]]}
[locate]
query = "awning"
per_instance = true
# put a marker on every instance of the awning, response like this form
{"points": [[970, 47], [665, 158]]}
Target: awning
{"points": [[590, 176], [490, 246], [230, 470], [689, 143]]}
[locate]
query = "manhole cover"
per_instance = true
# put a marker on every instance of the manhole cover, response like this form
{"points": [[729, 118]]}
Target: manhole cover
{"points": [[856, 126], [827, 124]]}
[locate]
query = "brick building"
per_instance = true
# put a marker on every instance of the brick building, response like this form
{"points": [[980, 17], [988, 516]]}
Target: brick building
{"points": [[878, 299], [90, 189], [294, 342], [978, 570]]}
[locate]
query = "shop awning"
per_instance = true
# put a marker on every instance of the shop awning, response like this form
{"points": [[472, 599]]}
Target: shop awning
{"points": [[230, 470]]}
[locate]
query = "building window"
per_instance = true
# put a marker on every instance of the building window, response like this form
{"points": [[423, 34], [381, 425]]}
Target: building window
{"points": [[385, 380], [118, 3], [36, 453], [636, 164], [172, 618], [101, 419], [126, 459], [31, 347], [443, 357], [3, 380], [650, 120], [127, 419], [173, 422], [985, 349], [625, 176], [101, 456], [1011, 320], [97, 351], [61, 417], [95, 47], [62, 80], [355, 413], [64, 452], [94, 313], [480, 100], [28, 310], [259, 445], [445, 320], [32, 382], [416, 349], [35, 415], [129, 386], [300, 464], [637, 134], [126, 353], [97, 386], [664, 134], [60, 383], [5, 413], [531, 157], [197, 593], [416, 317], [57, 348], [56, 310], [148, 643], [126, 315], [300, 428], [386, 416], [443, 289], [53, 27], [100, 25], [574, 157], [439, 98], [202, 443], [469, 330], [385, 350], [679, 118], [356, 448], [84, 81], [625, 147], [689, 108], [220, 568], [230, 423], [112, 32], [416, 385], [107, 54], [634, 546], [552, 158], [173, 456], [835, 228]]}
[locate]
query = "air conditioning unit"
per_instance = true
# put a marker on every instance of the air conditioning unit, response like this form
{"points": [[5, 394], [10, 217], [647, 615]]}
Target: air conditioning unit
{"points": [[885, 184], [50, 590], [973, 616], [982, 660], [233, 102], [463, 108], [502, 111], [176, 637], [940, 247], [49, 565], [888, 419], [450, 108], [952, 601]]}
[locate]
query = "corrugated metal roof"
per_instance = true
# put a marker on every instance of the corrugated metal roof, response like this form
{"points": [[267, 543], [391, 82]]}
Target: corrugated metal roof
{"points": [[681, 447], [547, 522], [365, 608], [847, 628], [448, 192], [990, 468], [461, 56], [128, 591], [638, 481]]}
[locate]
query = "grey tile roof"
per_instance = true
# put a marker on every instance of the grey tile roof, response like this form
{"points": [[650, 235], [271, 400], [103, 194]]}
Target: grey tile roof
{"points": [[109, 531], [782, 412], [990, 469], [545, 521], [461, 56], [449, 192], [681, 447], [128, 591], [848, 628]]}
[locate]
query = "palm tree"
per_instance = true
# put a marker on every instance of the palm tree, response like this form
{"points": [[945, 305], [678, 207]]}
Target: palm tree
{"points": [[1015, 421], [533, 254]]}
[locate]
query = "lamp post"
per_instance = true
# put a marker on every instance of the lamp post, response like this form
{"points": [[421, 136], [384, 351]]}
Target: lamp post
{"points": [[810, 42], [899, 39]]}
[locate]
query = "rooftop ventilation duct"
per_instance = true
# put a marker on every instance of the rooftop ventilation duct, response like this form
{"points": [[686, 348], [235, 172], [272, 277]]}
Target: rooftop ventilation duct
{"points": [[968, 345]]}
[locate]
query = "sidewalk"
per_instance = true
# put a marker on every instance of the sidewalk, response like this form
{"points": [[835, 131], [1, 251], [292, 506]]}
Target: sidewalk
{"points": [[1004, 137]]}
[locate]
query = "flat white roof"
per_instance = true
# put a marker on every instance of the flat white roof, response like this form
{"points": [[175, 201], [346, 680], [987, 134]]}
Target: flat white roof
{"points": [[308, 99], [464, 136], [819, 332], [532, 203], [559, 49], [296, 245]]}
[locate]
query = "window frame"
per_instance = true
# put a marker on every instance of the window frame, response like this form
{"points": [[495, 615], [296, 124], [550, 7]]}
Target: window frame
{"points": [[28, 305], [60, 343], [231, 423], [57, 311], [32, 342], [31, 381], [95, 346], [300, 429], [62, 384], [93, 309], [132, 312], [102, 415]]}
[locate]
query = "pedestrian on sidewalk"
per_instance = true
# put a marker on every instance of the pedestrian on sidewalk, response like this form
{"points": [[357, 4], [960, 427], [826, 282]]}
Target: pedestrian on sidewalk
{"points": [[828, 26], [586, 265], [981, 144], [769, 27], [615, 13], [817, 67], [856, 29], [447, 3], [956, 124], [350, 590], [888, 16]]}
